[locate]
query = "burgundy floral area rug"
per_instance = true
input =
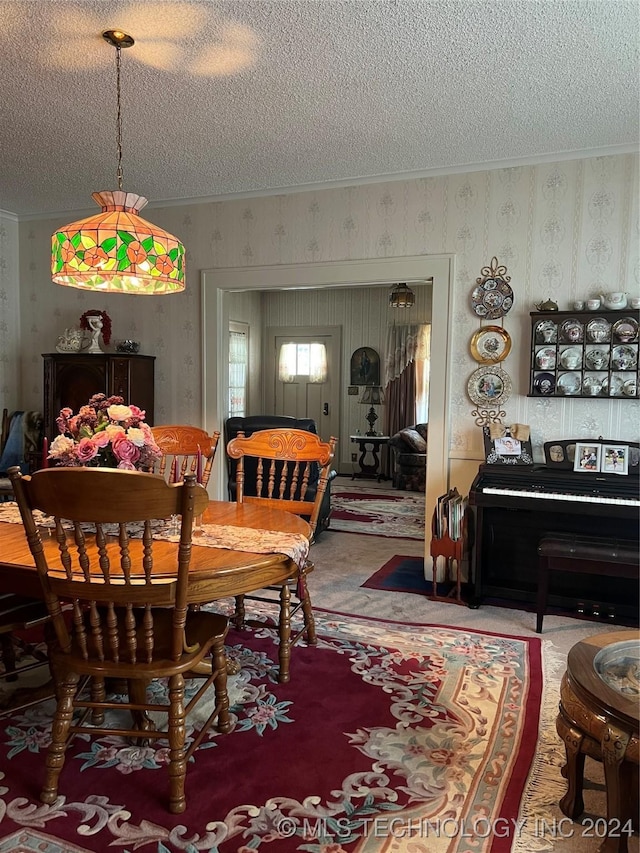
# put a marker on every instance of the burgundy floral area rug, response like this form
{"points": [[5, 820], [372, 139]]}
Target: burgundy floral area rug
{"points": [[389, 737], [397, 515]]}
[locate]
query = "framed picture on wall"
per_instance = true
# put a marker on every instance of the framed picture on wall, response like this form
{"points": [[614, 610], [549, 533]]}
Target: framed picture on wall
{"points": [[365, 367]]}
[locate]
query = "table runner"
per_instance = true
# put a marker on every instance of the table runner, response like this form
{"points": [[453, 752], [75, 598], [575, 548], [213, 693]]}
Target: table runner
{"points": [[249, 539]]}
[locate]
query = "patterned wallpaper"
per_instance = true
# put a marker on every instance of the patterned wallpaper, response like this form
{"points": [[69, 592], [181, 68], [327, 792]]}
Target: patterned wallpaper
{"points": [[565, 230]]}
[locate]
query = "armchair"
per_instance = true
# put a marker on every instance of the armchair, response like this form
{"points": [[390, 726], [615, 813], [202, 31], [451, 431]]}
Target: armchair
{"points": [[253, 423], [409, 458]]}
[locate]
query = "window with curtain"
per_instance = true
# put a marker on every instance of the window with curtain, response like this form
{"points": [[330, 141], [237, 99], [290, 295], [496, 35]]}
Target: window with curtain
{"points": [[238, 368], [305, 360]]}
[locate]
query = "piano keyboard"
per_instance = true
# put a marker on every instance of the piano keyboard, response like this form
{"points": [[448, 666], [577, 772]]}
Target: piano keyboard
{"points": [[557, 496]]}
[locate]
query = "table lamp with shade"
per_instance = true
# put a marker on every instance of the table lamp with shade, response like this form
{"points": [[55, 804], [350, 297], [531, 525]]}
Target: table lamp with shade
{"points": [[373, 395]]}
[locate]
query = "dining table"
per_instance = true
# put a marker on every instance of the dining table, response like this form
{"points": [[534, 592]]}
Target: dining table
{"points": [[214, 572]]}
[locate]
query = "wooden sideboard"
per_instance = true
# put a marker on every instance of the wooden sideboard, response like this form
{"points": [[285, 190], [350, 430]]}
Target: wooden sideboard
{"points": [[70, 379]]}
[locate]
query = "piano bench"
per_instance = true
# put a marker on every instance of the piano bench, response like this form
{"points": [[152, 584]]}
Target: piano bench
{"points": [[587, 555]]}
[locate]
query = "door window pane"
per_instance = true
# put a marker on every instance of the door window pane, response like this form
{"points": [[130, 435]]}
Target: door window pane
{"points": [[238, 368], [305, 360]]}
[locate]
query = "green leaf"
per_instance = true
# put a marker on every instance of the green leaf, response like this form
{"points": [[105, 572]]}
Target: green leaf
{"points": [[109, 244], [126, 237]]}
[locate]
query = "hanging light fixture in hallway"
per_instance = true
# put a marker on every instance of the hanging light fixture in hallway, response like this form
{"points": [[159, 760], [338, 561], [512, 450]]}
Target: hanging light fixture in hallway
{"points": [[401, 296], [117, 250]]}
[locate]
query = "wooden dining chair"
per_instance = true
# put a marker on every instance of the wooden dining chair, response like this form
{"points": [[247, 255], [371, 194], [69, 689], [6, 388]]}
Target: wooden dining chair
{"points": [[180, 446], [127, 623], [282, 464]]}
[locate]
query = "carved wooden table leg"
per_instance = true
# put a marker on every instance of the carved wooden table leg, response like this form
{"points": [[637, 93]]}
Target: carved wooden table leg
{"points": [[137, 690], [614, 745], [572, 804]]}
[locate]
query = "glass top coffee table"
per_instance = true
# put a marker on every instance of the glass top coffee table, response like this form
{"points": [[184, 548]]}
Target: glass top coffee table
{"points": [[600, 717]]}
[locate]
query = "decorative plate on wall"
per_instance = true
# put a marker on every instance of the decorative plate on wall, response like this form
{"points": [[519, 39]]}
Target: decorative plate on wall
{"points": [[492, 296], [492, 299], [489, 386], [490, 344]]}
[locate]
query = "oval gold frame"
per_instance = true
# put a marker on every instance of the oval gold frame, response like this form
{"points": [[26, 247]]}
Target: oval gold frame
{"points": [[497, 331]]}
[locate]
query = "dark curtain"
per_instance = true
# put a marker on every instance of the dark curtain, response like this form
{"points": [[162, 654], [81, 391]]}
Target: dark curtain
{"points": [[400, 409]]}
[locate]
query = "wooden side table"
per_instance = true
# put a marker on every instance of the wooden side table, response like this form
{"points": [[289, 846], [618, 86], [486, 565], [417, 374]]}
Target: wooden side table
{"points": [[599, 716], [369, 446]]}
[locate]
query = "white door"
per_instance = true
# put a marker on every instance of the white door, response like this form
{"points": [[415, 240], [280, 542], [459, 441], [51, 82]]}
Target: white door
{"points": [[302, 398]]}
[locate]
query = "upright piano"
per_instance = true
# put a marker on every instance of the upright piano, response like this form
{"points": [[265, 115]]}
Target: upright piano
{"points": [[514, 506]]}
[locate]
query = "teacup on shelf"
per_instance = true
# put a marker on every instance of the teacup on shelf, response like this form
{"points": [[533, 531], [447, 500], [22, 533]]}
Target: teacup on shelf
{"points": [[592, 385], [571, 362]]}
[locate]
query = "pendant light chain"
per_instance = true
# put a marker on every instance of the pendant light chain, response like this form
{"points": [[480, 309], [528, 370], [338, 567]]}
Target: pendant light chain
{"points": [[119, 116]]}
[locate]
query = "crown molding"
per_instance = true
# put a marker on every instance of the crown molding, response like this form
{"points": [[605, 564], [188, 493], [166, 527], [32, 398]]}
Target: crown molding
{"points": [[554, 157]]}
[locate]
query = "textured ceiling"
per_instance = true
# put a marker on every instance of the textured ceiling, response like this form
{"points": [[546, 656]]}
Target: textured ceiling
{"points": [[260, 95]]}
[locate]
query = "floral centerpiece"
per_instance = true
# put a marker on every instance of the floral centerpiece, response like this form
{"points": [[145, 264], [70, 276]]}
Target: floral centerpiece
{"points": [[105, 433]]}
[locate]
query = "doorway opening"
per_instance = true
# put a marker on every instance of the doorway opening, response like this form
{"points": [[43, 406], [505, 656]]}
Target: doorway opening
{"points": [[216, 283]]}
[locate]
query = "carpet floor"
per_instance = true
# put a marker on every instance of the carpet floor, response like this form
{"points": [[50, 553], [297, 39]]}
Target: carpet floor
{"points": [[377, 512], [406, 574], [343, 563], [409, 735]]}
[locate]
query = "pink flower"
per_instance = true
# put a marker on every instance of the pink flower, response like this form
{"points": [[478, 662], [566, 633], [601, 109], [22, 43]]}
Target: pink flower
{"points": [[125, 451], [100, 439], [86, 450]]}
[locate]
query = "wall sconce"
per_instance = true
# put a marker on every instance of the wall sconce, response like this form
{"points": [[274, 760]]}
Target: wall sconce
{"points": [[373, 395]]}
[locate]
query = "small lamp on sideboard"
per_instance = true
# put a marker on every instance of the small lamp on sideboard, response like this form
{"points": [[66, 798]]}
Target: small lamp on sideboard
{"points": [[373, 395]]}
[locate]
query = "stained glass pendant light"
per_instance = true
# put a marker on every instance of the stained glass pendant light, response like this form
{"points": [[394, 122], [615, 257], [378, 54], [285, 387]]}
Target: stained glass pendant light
{"points": [[117, 250], [401, 296]]}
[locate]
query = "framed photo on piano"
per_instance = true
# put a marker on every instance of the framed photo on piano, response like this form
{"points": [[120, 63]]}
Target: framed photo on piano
{"points": [[615, 459], [587, 457], [505, 449]]}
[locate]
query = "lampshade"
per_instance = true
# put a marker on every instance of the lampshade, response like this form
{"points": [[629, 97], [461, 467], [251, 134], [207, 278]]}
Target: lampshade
{"points": [[401, 296], [117, 250], [372, 395]]}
